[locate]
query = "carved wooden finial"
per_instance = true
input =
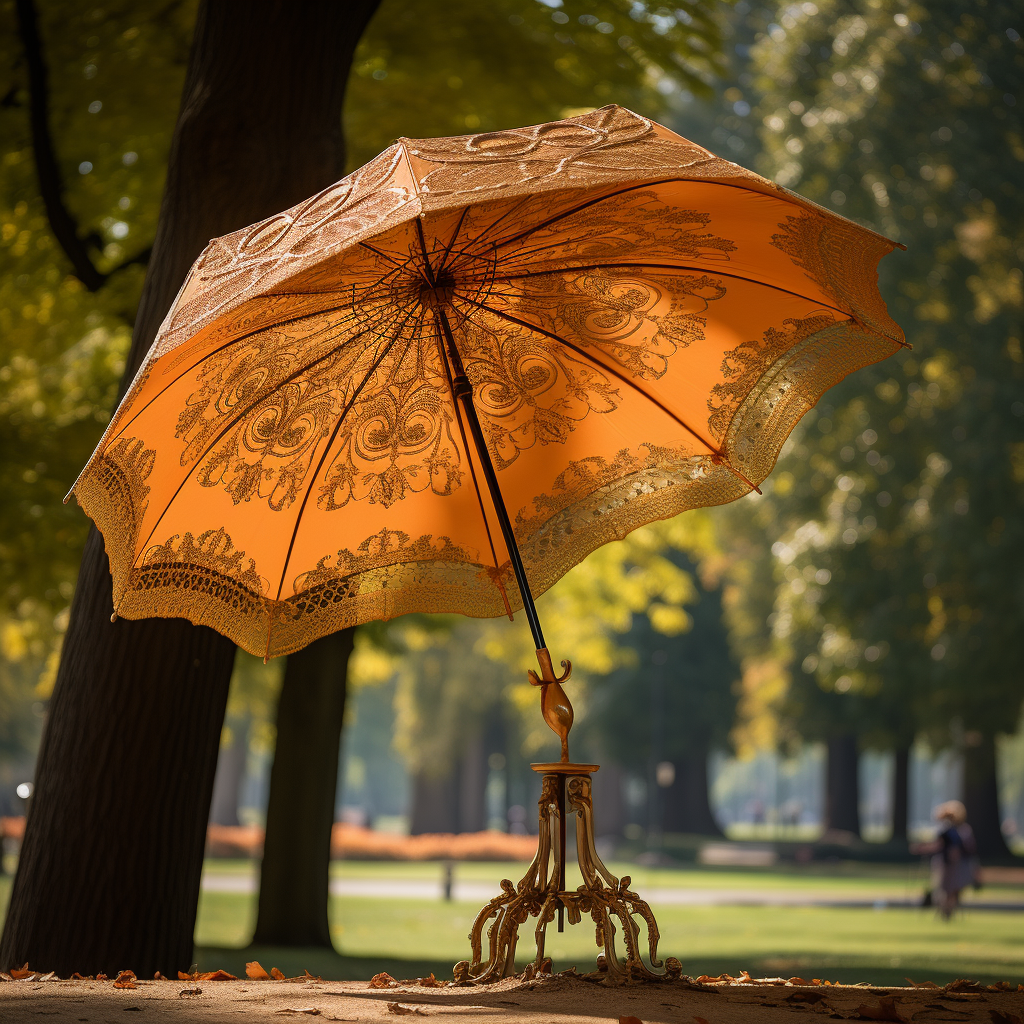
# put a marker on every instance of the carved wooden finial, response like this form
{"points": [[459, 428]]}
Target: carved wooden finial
{"points": [[554, 704]]}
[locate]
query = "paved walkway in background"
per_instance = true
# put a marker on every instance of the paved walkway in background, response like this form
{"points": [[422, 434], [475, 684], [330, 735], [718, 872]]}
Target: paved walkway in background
{"points": [[481, 892]]}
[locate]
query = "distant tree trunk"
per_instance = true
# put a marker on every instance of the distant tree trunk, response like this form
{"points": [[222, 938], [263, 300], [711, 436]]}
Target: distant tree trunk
{"points": [[303, 788], [473, 785], [900, 794], [434, 804], [227, 783], [609, 802], [842, 787], [981, 798], [109, 872], [686, 804]]}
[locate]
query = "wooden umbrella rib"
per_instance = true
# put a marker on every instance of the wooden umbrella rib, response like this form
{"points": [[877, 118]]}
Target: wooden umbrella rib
{"points": [[334, 434], [716, 452]]}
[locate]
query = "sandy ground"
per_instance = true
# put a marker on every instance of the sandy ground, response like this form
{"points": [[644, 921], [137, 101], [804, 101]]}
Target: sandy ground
{"points": [[555, 1000]]}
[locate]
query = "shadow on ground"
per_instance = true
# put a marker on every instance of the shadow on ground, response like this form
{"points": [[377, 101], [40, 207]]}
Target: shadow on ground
{"points": [[335, 966]]}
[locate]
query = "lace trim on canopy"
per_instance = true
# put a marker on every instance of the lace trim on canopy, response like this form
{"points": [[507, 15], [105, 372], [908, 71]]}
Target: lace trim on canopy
{"points": [[596, 500]]}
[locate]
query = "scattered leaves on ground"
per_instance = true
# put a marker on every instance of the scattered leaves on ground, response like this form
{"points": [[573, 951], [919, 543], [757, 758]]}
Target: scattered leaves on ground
{"points": [[125, 979], [255, 971], [431, 982], [383, 980], [401, 1010]]}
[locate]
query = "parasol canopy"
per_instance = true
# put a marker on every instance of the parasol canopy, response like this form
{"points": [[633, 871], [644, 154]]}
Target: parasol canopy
{"points": [[446, 379]]}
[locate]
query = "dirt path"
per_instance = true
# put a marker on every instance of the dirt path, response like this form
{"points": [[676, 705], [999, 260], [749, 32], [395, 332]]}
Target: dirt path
{"points": [[556, 1000]]}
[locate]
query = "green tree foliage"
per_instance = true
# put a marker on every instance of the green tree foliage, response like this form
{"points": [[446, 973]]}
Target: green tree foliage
{"points": [[899, 507], [683, 677], [449, 681]]}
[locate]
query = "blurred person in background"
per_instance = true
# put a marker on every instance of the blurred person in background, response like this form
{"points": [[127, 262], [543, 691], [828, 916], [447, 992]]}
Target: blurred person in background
{"points": [[954, 856]]}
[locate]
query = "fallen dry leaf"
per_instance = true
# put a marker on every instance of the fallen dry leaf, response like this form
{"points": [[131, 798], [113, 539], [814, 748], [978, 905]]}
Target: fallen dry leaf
{"points": [[158, 977], [125, 979], [182, 976], [999, 986], [383, 980], [81, 977], [963, 985], [216, 976], [404, 1010], [276, 974], [430, 982], [20, 973], [52, 976], [885, 1010], [102, 977], [255, 971], [801, 981]]}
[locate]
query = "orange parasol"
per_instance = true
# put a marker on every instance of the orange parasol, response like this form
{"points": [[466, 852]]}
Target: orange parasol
{"points": [[473, 360], [441, 383]]}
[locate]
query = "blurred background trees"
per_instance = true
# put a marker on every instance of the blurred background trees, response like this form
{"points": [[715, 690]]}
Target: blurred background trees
{"points": [[871, 600]]}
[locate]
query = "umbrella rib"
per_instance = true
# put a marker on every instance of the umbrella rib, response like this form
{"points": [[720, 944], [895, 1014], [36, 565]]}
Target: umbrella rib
{"points": [[451, 241], [675, 266], [334, 433], [234, 422], [220, 348], [399, 265], [716, 452], [234, 341], [583, 206]]}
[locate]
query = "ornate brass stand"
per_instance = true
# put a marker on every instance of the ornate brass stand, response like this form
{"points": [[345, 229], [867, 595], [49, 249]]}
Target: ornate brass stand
{"points": [[541, 893]]}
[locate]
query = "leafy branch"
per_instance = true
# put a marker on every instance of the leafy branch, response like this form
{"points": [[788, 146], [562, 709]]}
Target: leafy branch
{"points": [[51, 183]]}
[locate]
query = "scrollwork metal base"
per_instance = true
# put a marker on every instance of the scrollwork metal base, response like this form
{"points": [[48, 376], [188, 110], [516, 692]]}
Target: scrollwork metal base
{"points": [[602, 896]]}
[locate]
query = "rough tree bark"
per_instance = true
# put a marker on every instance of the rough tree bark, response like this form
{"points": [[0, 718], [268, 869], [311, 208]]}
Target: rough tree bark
{"points": [[303, 785], [981, 798], [686, 804], [900, 794], [842, 787], [110, 867]]}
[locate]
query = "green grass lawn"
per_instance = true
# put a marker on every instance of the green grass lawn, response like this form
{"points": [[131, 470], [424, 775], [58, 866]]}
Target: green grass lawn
{"points": [[409, 938], [882, 946]]}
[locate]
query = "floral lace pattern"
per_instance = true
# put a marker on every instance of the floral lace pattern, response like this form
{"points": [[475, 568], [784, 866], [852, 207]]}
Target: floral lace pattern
{"points": [[640, 325]]}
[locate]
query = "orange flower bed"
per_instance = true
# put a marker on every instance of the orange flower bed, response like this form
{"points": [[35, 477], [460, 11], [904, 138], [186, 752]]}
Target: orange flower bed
{"points": [[354, 843]]}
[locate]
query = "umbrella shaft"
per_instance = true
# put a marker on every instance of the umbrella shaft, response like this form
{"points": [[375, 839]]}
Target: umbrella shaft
{"points": [[464, 393]]}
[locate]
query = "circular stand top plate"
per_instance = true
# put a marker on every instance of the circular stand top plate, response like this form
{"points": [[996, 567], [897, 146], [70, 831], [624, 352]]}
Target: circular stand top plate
{"points": [[565, 768]]}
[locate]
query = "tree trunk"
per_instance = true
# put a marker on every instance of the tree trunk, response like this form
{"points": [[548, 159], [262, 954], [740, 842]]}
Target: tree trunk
{"points": [[434, 804], [472, 816], [686, 804], [109, 872], [900, 794], [981, 798], [842, 787], [227, 783], [303, 787]]}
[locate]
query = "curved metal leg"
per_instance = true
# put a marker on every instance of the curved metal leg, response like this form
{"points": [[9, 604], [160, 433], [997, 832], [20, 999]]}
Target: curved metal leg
{"points": [[603, 896]]}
